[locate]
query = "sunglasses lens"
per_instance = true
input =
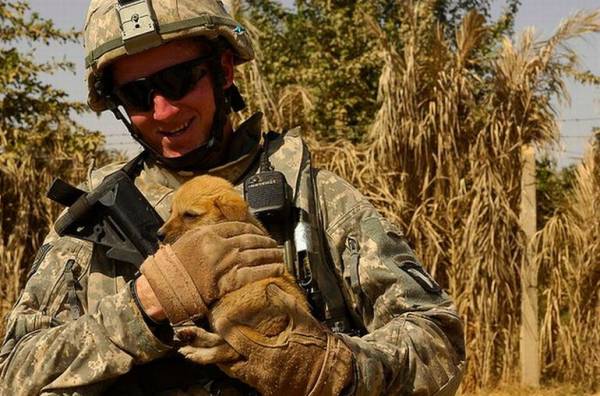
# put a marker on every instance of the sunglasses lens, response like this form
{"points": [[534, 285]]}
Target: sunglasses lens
{"points": [[177, 81], [174, 83], [135, 95]]}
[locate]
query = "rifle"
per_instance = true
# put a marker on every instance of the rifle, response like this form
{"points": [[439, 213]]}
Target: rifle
{"points": [[115, 215]]}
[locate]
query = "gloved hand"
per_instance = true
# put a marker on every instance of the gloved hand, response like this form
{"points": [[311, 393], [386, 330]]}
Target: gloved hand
{"points": [[304, 358], [207, 263], [204, 347]]}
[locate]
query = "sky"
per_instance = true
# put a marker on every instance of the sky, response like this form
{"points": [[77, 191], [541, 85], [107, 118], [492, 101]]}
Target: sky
{"points": [[577, 119]]}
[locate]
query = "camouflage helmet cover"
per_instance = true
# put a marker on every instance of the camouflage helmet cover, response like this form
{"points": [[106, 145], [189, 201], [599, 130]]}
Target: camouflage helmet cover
{"points": [[105, 35]]}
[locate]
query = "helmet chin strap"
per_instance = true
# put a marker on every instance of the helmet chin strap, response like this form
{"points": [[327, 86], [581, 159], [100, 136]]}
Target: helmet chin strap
{"points": [[207, 155]]}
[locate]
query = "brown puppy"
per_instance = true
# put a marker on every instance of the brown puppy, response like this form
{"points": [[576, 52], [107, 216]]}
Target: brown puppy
{"points": [[207, 200], [204, 200]]}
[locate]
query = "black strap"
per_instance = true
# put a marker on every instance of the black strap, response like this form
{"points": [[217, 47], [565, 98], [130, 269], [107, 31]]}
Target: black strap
{"points": [[265, 163], [152, 324], [72, 298], [336, 315], [135, 165]]}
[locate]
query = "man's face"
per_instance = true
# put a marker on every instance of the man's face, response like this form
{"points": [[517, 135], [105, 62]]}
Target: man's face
{"points": [[173, 127]]}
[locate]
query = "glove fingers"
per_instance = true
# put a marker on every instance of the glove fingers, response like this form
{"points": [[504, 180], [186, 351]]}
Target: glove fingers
{"points": [[285, 301], [253, 257], [240, 277], [251, 241], [231, 229], [302, 320], [243, 339]]}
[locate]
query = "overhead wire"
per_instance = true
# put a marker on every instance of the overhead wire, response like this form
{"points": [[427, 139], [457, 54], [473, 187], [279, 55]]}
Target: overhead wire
{"points": [[579, 119]]}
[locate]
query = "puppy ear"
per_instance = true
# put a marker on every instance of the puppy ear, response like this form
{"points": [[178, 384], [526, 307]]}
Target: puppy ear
{"points": [[233, 206]]}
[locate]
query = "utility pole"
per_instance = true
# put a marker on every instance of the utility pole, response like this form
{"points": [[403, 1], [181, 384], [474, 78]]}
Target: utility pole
{"points": [[530, 335]]}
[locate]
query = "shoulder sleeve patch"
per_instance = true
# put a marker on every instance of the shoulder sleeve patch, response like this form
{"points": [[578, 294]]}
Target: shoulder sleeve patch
{"points": [[416, 271]]}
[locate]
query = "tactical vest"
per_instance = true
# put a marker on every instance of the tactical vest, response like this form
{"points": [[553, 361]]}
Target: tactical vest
{"points": [[307, 256]]}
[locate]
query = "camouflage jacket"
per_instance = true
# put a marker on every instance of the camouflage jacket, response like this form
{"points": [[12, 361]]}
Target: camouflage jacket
{"points": [[77, 330]]}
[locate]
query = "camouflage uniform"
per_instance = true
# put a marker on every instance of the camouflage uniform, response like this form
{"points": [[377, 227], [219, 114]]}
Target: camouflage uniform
{"points": [[76, 329]]}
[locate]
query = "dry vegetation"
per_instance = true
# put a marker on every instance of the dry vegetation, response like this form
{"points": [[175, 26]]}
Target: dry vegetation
{"points": [[569, 258], [551, 390], [25, 212], [442, 158], [38, 141]]}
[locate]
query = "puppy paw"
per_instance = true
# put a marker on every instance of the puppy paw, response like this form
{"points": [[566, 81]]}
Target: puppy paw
{"points": [[198, 337], [204, 347], [219, 354]]}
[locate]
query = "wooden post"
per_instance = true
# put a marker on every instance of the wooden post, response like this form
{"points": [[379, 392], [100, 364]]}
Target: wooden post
{"points": [[530, 338]]}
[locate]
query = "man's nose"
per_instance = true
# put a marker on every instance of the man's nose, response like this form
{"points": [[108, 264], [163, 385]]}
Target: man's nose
{"points": [[163, 107]]}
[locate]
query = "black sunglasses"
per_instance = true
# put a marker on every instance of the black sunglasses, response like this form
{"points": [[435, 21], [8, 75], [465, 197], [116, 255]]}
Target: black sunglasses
{"points": [[173, 82]]}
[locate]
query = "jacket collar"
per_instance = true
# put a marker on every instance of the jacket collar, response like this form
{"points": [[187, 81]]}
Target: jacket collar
{"points": [[241, 154]]}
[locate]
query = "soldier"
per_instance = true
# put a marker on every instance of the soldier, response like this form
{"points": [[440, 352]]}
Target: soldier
{"points": [[87, 324]]}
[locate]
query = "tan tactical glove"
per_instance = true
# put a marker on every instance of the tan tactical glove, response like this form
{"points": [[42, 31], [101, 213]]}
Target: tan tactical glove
{"points": [[208, 262], [304, 358], [204, 347]]}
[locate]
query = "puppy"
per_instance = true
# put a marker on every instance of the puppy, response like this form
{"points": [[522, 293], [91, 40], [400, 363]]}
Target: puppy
{"points": [[208, 200], [201, 201]]}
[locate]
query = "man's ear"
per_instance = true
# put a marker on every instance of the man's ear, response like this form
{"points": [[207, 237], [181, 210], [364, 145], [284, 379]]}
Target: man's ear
{"points": [[233, 206], [227, 65]]}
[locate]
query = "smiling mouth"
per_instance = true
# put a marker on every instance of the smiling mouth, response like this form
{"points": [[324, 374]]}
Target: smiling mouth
{"points": [[177, 131]]}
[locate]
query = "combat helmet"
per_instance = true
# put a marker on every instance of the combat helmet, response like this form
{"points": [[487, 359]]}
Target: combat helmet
{"points": [[116, 28]]}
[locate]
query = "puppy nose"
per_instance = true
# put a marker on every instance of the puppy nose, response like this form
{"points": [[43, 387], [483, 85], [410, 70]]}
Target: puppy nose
{"points": [[161, 234]]}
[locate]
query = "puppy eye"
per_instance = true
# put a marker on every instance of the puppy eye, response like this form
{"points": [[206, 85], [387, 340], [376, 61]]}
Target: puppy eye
{"points": [[190, 215]]}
